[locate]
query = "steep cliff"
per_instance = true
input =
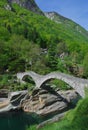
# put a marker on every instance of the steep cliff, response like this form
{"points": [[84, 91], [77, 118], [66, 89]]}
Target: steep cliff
{"points": [[28, 4]]}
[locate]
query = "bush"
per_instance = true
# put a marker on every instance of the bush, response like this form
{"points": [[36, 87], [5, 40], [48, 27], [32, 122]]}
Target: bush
{"points": [[76, 119]]}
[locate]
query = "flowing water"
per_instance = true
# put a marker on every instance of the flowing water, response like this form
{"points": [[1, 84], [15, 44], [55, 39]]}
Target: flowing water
{"points": [[16, 120]]}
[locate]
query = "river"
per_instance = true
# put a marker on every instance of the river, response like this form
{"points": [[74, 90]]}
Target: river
{"points": [[19, 120], [16, 120]]}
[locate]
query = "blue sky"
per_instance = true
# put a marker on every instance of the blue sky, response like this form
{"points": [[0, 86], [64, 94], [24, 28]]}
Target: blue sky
{"points": [[77, 10]]}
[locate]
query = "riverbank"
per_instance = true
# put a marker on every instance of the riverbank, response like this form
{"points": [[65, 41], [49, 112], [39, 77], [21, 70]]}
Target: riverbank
{"points": [[76, 119], [11, 100], [47, 99]]}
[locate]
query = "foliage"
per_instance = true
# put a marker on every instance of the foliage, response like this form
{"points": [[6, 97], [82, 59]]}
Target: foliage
{"points": [[76, 119], [85, 65], [29, 41], [4, 82], [58, 84], [52, 57]]}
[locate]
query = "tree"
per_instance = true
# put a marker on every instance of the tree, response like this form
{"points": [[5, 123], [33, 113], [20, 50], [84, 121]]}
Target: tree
{"points": [[52, 57], [61, 47], [85, 66]]}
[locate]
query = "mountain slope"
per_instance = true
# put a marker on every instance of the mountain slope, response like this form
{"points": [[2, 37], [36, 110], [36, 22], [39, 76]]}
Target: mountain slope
{"points": [[67, 22], [29, 41], [28, 4]]}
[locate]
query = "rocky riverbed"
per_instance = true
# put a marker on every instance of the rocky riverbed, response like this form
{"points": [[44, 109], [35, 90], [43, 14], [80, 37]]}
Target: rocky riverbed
{"points": [[47, 101], [42, 101], [11, 100]]}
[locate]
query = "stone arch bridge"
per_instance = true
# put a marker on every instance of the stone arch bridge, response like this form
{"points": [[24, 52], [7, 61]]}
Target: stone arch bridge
{"points": [[78, 84]]}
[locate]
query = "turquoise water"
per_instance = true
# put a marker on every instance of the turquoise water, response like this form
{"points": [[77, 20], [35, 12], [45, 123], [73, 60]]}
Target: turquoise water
{"points": [[16, 121], [19, 120]]}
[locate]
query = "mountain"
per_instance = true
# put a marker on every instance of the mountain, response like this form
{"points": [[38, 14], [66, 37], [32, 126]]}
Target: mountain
{"points": [[30, 41], [54, 16], [28, 4]]}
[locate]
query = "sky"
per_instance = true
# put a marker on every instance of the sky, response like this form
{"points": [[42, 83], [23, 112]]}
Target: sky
{"points": [[77, 10]]}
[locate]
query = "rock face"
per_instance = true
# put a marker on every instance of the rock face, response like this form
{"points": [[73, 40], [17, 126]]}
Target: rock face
{"points": [[28, 4], [11, 100], [56, 17], [44, 102], [70, 95]]}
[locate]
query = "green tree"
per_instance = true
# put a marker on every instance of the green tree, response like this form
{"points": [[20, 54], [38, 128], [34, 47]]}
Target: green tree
{"points": [[85, 66], [52, 57]]}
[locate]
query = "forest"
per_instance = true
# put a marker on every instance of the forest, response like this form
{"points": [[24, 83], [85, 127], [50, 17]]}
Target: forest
{"points": [[29, 41]]}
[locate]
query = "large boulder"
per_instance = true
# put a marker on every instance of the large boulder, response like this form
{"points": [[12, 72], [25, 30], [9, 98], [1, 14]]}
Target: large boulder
{"points": [[12, 100], [44, 102], [69, 95]]}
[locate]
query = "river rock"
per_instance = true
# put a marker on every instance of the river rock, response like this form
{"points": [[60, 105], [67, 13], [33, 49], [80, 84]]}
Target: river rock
{"points": [[44, 102], [12, 100], [69, 95]]}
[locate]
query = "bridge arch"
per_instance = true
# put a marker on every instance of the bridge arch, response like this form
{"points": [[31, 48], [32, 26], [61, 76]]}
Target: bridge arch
{"points": [[60, 83], [28, 79], [58, 76], [35, 77], [78, 84]]}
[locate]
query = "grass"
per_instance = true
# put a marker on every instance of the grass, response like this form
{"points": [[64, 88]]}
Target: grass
{"points": [[76, 119]]}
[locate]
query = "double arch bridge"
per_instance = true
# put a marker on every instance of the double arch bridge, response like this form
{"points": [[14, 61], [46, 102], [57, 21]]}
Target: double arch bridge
{"points": [[78, 84]]}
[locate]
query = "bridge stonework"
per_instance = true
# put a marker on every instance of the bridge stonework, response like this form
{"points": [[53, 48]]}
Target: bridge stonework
{"points": [[78, 84]]}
